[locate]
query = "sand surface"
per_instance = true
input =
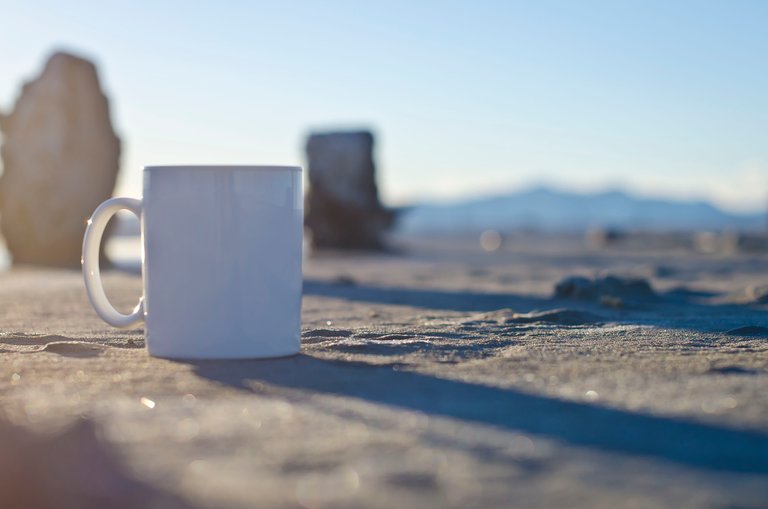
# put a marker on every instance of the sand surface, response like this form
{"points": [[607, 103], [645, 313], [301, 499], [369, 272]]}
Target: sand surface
{"points": [[447, 377]]}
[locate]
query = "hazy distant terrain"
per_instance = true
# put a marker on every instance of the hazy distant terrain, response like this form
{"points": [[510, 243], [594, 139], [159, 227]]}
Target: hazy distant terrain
{"points": [[550, 210]]}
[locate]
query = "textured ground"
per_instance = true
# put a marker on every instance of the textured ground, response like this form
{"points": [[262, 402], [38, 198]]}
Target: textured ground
{"points": [[444, 378]]}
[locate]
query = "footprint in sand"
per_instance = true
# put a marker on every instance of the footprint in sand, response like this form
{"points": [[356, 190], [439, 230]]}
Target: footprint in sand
{"points": [[21, 339], [74, 349], [319, 335], [563, 316], [60, 345], [386, 336]]}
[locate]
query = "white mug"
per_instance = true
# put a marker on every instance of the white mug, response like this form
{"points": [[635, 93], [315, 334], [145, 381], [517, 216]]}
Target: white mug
{"points": [[221, 261]]}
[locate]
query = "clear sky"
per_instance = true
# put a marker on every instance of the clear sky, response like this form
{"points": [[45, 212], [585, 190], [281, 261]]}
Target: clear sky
{"points": [[665, 98]]}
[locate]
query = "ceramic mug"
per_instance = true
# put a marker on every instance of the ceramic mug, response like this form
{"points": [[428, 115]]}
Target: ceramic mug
{"points": [[221, 261]]}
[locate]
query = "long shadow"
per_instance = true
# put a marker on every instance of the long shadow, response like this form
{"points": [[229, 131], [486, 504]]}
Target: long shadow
{"points": [[688, 443], [681, 305], [688, 313], [422, 298]]}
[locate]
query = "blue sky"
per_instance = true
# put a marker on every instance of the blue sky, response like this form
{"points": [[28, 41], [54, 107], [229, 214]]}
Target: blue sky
{"points": [[661, 98]]}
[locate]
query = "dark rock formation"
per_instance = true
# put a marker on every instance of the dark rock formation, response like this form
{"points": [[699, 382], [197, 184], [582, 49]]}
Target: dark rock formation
{"points": [[342, 205], [60, 161]]}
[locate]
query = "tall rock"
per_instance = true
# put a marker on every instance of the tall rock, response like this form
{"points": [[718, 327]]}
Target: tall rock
{"points": [[342, 205], [60, 160]]}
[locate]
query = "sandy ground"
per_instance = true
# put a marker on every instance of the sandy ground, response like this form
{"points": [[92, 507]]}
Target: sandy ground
{"points": [[440, 378]]}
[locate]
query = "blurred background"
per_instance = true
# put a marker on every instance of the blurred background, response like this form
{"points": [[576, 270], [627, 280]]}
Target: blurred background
{"points": [[487, 116]]}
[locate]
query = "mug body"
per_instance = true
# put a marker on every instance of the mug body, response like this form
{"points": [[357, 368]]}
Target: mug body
{"points": [[222, 261]]}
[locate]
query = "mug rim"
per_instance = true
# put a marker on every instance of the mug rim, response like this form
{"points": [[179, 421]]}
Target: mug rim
{"points": [[221, 167]]}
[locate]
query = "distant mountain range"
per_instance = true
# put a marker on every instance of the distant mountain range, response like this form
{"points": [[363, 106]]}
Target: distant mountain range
{"points": [[550, 210]]}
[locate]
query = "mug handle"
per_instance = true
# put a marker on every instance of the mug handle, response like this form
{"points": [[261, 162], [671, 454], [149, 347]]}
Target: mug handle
{"points": [[91, 273]]}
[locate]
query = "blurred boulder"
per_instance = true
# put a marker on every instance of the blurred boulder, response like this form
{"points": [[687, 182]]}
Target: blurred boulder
{"points": [[611, 291], [720, 243], [60, 158], [750, 242], [601, 238], [342, 205], [758, 294], [730, 242]]}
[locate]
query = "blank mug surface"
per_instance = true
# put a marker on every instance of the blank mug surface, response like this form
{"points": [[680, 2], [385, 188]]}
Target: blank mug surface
{"points": [[222, 261]]}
